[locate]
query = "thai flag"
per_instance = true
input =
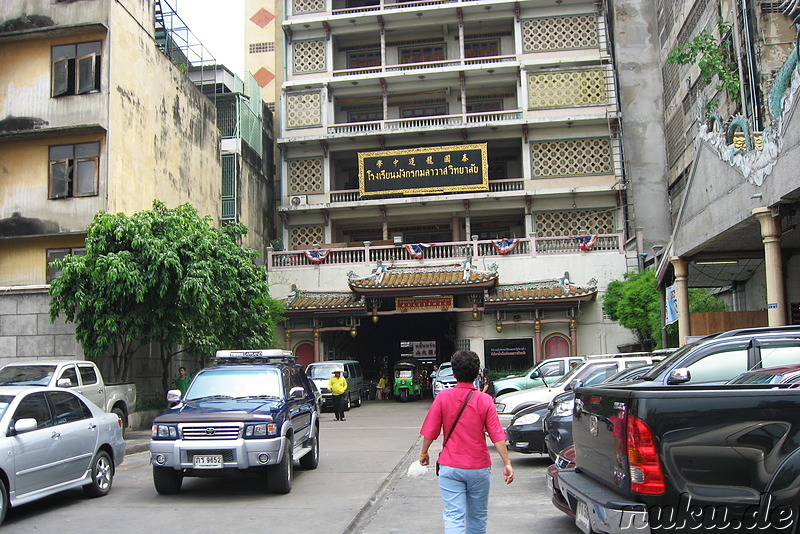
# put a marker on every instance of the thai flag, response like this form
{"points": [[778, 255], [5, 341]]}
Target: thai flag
{"points": [[317, 255], [416, 250], [505, 245], [586, 242]]}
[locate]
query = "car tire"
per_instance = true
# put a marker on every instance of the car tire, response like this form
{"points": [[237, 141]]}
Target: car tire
{"points": [[3, 501], [311, 459], [347, 403], [358, 399], [279, 477], [403, 395], [121, 416], [167, 480], [102, 474]]}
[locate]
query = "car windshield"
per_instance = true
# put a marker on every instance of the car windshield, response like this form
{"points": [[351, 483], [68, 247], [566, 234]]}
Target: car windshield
{"points": [[5, 400], [568, 377], [228, 384], [444, 372], [667, 362], [26, 375], [404, 373], [320, 372]]}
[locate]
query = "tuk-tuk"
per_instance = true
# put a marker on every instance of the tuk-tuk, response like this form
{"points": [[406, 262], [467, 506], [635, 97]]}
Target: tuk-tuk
{"points": [[407, 379]]}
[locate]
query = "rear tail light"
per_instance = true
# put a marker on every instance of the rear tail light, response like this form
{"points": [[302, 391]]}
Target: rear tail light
{"points": [[644, 467]]}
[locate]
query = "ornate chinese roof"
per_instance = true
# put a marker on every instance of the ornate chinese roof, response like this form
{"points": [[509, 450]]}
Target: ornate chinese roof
{"points": [[461, 278], [556, 291], [323, 301]]}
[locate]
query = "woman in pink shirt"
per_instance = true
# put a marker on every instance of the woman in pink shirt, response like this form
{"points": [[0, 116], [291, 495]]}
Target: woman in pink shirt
{"points": [[465, 463]]}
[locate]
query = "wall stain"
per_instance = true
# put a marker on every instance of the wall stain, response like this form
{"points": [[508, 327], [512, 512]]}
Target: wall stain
{"points": [[16, 124], [26, 22], [17, 225]]}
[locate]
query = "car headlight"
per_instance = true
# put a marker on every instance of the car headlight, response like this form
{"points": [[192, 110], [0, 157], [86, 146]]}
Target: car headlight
{"points": [[162, 431], [500, 407], [260, 430], [564, 407], [527, 419]]}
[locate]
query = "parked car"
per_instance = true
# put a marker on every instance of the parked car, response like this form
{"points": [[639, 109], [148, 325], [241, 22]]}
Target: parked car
{"points": [[52, 440], [592, 370], [321, 372], [543, 373], [563, 460], [252, 413], [787, 374], [81, 376], [557, 420], [444, 378], [525, 432]]}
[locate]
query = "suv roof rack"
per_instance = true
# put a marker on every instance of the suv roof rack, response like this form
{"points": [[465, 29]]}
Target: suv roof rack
{"points": [[251, 356], [756, 330]]}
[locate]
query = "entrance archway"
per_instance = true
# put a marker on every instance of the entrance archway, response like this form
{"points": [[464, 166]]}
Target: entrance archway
{"points": [[556, 345], [304, 352]]}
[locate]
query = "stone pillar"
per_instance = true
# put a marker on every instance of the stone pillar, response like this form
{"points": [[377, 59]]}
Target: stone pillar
{"points": [[681, 268], [771, 237], [537, 341], [573, 336]]}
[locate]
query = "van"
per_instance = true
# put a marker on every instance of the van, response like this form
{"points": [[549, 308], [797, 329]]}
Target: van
{"points": [[320, 373]]}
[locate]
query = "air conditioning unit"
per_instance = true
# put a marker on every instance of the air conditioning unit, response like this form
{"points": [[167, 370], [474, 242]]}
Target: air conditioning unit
{"points": [[298, 200]]}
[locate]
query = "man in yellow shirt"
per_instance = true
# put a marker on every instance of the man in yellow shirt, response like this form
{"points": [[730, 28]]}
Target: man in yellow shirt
{"points": [[338, 385]]}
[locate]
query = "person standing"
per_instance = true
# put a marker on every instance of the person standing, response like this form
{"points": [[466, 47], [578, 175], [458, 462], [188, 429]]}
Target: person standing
{"points": [[383, 387], [338, 385], [486, 384], [183, 380], [465, 415]]}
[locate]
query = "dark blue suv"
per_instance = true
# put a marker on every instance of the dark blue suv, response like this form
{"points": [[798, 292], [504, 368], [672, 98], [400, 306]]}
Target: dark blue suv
{"points": [[253, 412]]}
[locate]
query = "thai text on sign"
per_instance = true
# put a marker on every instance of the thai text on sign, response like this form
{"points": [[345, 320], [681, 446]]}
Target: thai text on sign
{"points": [[424, 303]]}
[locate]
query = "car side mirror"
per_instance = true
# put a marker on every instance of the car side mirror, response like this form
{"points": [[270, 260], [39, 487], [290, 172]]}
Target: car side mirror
{"points": [[572, 386], [536, 374], [64, 383], [25, 425], [174, 395], [679, 376], [297, 393]]}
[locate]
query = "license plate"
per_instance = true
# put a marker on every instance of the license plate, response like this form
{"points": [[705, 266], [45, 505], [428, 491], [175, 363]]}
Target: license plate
{"points": [[207, 461], [561, 462], [582, 517]]}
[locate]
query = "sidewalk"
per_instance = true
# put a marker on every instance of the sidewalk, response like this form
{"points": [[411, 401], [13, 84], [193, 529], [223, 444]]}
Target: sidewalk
{"points": [[137, 441]]}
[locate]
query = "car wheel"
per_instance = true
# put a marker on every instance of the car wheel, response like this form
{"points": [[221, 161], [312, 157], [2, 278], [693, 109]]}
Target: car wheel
{"points": [[347, 403], [3, 501], [279, 477], [358, 399], [121, 416], [403, 395], [102, 475], [167, 480], [311, 459]]}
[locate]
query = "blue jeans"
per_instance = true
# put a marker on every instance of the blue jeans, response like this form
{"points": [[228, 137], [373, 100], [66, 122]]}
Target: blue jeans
{"points": [[465, 493]]}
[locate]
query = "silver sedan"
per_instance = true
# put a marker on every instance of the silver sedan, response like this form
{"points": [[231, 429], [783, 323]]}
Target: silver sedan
{"points": [[51, 440]]}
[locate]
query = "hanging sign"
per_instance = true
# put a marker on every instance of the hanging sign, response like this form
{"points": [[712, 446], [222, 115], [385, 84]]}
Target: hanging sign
{"points": [[423, 303], [428, 170]]}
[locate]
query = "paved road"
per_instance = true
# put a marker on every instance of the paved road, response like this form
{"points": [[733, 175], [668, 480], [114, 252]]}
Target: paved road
{"points": [[359, 487]]}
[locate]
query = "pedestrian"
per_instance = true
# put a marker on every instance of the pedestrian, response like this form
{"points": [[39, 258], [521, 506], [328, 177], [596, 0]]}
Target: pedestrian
{"points": [[464, 416], [183, 380], [338, 385], [383, 388], [486, 384]]}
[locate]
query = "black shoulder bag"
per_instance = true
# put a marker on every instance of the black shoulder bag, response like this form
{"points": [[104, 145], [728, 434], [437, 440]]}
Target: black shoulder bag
{"points": [[453, 427]]}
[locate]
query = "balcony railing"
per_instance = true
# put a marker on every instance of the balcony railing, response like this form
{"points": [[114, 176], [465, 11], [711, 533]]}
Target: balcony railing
{"points": [[438, 252], [438, 121], [351, 195], [438, 65], [395, 5]]}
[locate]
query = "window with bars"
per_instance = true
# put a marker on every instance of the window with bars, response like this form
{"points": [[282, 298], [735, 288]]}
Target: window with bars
{"points": [[410, 112], [365, 115], [363, 58], [58, 253], [256, 48], [75, 68], [74, 170], [229, 187], [483, 48], [484, 106]]}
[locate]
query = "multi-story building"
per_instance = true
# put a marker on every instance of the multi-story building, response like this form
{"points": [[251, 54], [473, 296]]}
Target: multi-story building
{"points": [[732, 162], [449, 172]]}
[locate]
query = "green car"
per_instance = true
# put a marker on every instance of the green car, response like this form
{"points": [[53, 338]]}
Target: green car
{"points": [[407, 380], [545, 372]]}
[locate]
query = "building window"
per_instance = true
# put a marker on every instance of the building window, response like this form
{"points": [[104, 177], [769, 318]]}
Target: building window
{"points": [[256, 48], [422, 54], [74, 170], [423, 111], [484, 106], [363, 58], [56, 254], [229, 187], [76, 68], [487, 48], [365, 115]]}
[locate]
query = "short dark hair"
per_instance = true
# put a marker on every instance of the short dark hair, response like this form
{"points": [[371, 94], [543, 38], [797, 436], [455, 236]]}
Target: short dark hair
{"points": [[466, 365]]}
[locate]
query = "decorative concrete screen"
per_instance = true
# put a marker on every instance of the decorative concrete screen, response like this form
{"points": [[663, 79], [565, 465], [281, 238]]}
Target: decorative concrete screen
{"points": [[305, 176], [429, 170], [567, 88], [303, 110], [560, 33]]}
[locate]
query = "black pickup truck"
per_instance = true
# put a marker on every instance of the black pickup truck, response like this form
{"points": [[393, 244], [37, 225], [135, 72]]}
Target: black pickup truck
{"points": [[694, 458]]}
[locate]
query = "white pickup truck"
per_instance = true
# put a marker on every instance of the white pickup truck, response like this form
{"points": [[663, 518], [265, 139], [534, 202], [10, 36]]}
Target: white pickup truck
{"points": [[79, 375]]}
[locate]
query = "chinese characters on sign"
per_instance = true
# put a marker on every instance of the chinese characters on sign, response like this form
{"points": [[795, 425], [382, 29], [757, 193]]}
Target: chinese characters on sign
{"points": [[428, 170], [424, 350], [424, 303]]}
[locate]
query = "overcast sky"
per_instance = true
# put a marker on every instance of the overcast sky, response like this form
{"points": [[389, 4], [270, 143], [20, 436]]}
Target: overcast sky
{"points": [[218, 25]]}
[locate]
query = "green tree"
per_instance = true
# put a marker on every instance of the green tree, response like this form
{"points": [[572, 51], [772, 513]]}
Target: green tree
{"points": [[635, 302], [165, 276]]}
